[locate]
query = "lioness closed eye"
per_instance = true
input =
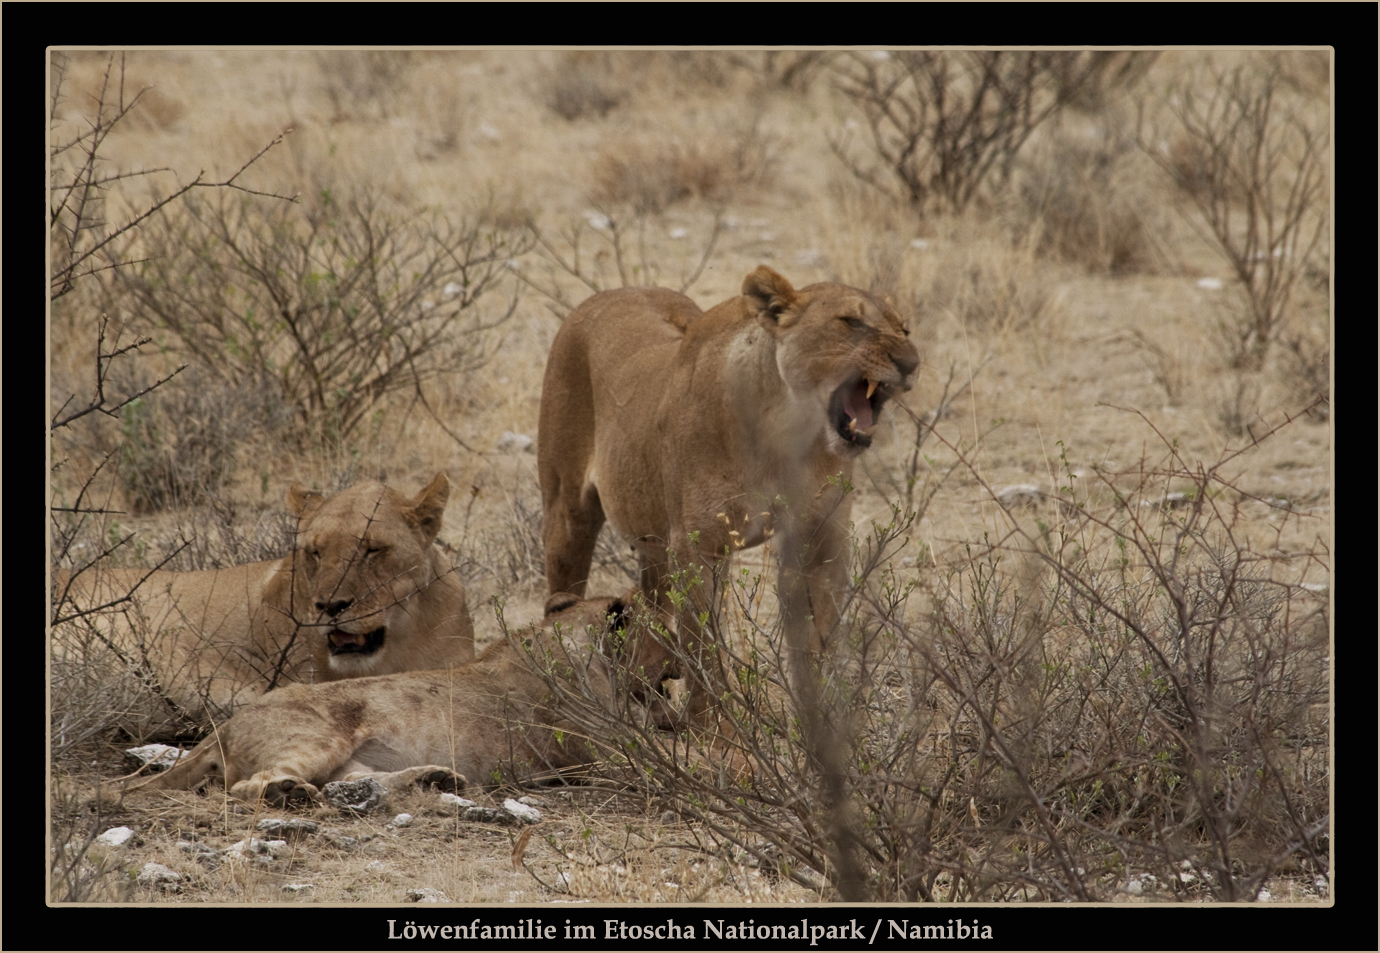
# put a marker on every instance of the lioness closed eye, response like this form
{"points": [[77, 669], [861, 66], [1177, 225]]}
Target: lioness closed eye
{"points": [[699, 433], [363, 593]]}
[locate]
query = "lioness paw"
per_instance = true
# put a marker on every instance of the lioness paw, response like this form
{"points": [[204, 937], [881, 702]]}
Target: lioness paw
{"points": [[278, 792]]}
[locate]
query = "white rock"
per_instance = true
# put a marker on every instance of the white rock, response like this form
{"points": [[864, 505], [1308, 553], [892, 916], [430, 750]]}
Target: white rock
{"points": [[514, 441], [678, 233], [374, 866], [426, 895], [297, 888], [597, 220], [452, 800], [115, 837], [157, 757], [1134, 888], [1210, 284], [158, 874], [402, 820], [525, 814], [919, 243], [270, 848]]}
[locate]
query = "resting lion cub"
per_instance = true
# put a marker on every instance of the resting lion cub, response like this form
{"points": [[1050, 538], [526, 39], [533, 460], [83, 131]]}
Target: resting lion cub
{"points": [[697, 433], [364, 593], [463, 725]]}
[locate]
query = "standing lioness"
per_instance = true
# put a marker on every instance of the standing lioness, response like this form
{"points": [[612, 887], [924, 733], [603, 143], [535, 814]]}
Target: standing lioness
{"points": [[364, 592], [697, 433]]}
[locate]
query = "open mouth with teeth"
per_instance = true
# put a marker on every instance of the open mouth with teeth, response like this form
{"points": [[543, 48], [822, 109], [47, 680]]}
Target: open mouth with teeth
{"points": [[350, 643], [854, 409]]}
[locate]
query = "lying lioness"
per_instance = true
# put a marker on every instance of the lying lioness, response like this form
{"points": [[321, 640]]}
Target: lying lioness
{"points": [[472, 723], [700, 433], [363, 593]]}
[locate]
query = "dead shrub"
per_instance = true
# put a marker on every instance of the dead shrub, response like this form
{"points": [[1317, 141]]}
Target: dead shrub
{"points": [[584, 83], [1252, 163], [989, 290], [1305, 363], [941, 121], [180, 449], [84, 237], [1235, 401], [1170, 362], [366, 83], [650, 174], [1084, 210], [337, 302], [795, 70], [80, 870]]}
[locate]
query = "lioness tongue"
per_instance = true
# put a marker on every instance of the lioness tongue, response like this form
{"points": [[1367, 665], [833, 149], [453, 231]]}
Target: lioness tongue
{"points": [[857, 406], [344, 638]]}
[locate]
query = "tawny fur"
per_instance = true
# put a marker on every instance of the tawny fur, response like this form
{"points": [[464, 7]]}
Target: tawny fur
{"points": [[467, 724], [699, 433], [209, 642]]}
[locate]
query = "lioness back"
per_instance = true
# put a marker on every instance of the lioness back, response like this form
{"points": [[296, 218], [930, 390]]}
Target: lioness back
{"points": [[610, 359]]}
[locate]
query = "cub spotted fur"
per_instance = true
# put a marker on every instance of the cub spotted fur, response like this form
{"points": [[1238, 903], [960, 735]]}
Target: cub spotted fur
{"points": [[698, 433], [363, 593]]}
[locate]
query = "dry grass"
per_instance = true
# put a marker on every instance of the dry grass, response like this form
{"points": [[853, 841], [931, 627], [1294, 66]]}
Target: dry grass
{"points": [[1040, 313]]}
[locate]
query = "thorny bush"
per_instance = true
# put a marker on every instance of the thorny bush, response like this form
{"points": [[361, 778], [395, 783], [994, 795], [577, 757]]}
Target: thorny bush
{"points": [[1118, 687], [336, 302]]}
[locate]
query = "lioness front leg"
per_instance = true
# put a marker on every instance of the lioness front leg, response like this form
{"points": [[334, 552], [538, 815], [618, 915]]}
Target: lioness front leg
{"points": [[698, 595], [812, 583]]}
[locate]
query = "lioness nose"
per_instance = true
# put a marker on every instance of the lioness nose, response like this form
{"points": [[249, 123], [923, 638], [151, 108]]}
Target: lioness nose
{"points": [[907, 361], [333, 608]]}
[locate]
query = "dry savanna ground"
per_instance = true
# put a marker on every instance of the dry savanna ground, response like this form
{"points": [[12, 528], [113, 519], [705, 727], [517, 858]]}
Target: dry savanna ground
{"points": [[1086, 651]]}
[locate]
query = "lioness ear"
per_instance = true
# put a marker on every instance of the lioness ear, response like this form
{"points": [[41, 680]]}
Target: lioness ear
{"points": [[560, 600], [772, 296], [301, 502], [428, 506]]}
